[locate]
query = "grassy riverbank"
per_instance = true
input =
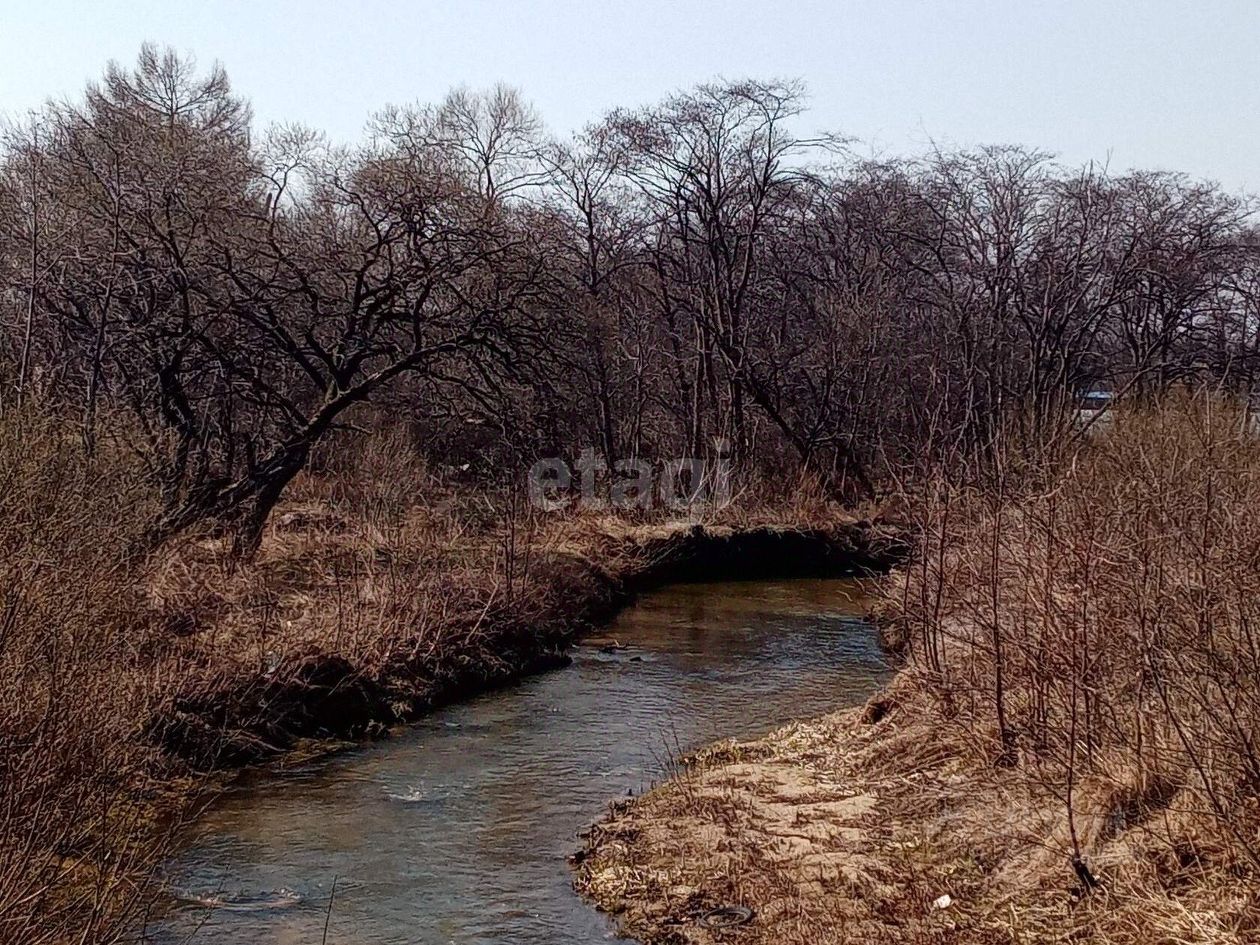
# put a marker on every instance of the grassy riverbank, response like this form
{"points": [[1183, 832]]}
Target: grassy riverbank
{"points": [[379, 591], [1067, 754]]}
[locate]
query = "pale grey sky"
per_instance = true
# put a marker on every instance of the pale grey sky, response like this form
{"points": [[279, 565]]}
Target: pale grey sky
{"points": [[1167, 84]]}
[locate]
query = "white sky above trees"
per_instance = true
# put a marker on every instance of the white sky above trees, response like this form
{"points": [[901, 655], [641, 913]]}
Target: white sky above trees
{"points": [[1162, 84]]}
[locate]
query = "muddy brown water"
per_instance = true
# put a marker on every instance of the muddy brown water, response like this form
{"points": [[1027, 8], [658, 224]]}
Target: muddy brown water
{"points": [[456, 830]]}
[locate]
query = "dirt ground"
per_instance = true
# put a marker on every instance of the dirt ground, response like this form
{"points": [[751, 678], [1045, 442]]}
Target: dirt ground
{"points": [[870, 826]]}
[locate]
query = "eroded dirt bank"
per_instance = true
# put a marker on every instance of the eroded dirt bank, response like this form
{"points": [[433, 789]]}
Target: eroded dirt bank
{"points": [[571, 589]]}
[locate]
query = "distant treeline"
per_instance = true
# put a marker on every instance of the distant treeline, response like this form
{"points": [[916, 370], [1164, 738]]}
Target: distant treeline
{"points": [[676, 278]]}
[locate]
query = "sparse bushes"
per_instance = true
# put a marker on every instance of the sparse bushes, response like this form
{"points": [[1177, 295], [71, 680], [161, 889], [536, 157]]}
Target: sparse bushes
{"points": [[76, 681], [1095, 629], [1068, 752]]}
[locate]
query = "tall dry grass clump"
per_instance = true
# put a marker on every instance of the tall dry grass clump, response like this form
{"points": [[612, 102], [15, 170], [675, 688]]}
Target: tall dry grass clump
{"points": [[76, 683], [1093, 628], [379, 589]]}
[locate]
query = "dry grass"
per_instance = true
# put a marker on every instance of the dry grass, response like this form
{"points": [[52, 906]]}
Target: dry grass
{"points": [[77, 681], [1112, 600], [379, 589], [1099, 633]]}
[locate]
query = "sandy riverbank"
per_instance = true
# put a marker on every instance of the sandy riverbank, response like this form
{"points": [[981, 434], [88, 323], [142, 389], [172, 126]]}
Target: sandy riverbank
{"points": [[875, 825]]}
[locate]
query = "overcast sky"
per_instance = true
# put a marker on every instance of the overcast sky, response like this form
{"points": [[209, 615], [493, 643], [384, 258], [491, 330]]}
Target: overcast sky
{"points": [[1139, 83]]}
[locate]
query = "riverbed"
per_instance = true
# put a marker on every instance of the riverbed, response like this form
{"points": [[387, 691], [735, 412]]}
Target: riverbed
{"points": [[455, 831]]}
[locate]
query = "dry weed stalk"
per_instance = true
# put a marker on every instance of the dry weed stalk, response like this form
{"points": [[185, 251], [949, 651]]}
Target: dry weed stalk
{"points": [[1095, 622]]}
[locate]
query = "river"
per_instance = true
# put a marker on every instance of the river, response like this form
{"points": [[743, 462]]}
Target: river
{"points": [[455, 831]]}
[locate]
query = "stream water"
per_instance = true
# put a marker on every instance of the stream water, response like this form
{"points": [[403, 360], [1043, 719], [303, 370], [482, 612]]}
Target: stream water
{"points": [[456, 830]]}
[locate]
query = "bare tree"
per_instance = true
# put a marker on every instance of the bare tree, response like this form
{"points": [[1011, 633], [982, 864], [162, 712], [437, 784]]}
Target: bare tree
{"points": [[677, 276]]}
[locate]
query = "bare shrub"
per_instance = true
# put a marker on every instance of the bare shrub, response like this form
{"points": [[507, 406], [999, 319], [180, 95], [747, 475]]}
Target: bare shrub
{"points": [[1094, 625], [76, 682]]}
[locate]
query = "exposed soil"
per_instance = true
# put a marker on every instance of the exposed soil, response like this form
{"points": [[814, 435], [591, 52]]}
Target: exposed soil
{"points": [[324, 695], [787, 827], [877, 825]]}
